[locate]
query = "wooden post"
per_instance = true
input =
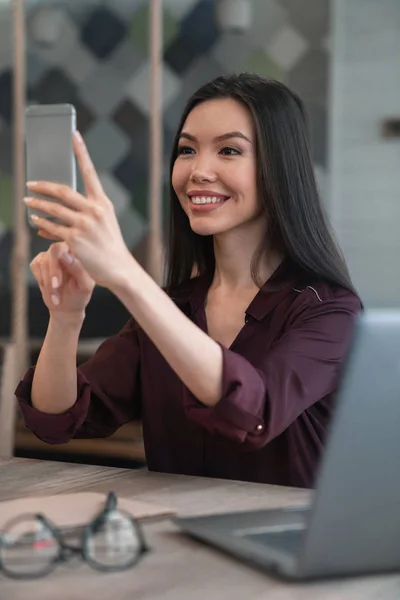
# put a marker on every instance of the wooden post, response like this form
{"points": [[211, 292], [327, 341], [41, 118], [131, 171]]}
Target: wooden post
{"points": [[16, 352], [20, 256], [155, 243]]}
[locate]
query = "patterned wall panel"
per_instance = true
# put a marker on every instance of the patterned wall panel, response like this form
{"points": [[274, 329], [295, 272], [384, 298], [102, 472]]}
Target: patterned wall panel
{"points": [[95, 55]]}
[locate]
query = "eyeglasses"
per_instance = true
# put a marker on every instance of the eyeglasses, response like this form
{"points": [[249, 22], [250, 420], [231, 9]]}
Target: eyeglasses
{"points": [[32, 546]]}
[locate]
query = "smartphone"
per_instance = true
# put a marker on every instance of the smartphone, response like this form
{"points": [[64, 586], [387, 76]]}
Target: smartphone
{"points": [[48, 147]]}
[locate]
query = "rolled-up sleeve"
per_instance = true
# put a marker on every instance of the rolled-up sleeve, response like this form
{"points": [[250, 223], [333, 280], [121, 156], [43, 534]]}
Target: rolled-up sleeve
{"points": [[259, 401], [108, 394]]}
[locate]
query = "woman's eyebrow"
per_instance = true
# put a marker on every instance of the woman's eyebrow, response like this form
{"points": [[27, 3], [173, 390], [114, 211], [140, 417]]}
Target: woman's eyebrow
{"points": [[219, 138]]}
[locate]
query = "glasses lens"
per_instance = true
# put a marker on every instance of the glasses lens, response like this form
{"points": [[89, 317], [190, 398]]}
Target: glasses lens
{"points": [[28, 547], [114, 542]]}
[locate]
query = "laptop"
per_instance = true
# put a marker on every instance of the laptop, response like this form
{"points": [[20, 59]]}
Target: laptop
{"points": [[353, 524]]}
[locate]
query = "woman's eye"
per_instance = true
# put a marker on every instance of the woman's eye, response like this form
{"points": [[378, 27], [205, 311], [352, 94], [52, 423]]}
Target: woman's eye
{"points": [[228, 151], [185, 150]]}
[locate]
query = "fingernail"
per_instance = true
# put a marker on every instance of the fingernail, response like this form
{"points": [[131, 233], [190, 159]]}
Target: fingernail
{"points": [[55, 299], [67, 257], [35, 218], [55, 283], [31, 183], [28, 200], [78, 137]]}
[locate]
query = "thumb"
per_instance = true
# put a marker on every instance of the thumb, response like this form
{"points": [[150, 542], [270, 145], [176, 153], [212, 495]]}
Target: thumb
{"points": [[75, 269]]}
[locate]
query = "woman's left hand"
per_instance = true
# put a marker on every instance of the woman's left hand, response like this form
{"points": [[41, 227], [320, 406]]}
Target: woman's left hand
{"points": [[89, 224]]}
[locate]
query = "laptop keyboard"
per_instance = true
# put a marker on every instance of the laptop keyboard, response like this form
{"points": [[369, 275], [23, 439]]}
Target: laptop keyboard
{"points": [[288, 541]]}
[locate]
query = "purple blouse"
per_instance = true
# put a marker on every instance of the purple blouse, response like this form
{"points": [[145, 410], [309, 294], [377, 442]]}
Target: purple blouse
{"points": [[279, 379]]}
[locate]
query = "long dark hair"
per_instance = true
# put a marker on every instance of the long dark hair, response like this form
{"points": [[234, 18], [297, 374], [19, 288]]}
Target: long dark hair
{"points": [[297, 223]]}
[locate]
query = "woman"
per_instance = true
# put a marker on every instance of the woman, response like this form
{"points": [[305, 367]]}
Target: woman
{"points": [[233, 370]]}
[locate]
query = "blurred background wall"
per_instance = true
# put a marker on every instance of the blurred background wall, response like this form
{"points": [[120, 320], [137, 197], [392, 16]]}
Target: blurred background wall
{"points": [[94, 54], [365, 163]]}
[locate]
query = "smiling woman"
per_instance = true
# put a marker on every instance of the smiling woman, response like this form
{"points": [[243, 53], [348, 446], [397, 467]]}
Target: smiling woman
{"points": [[248, 352], [217, 174]]}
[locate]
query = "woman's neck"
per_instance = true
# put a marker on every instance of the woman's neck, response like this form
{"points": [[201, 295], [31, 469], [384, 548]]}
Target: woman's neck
{"points": [[234, 251]]}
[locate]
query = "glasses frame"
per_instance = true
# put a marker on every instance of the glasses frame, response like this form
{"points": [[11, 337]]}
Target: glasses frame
{"points": [[67, 551]]}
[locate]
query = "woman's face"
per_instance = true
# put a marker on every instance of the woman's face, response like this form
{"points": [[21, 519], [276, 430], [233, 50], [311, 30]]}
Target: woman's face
{"points": [[215, 172]]}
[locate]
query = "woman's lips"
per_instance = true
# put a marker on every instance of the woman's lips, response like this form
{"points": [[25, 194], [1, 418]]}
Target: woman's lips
{"points": [[202, 201]]}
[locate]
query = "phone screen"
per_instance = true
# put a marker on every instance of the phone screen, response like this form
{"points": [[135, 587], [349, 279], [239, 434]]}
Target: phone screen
{"points": [[49, 150]]}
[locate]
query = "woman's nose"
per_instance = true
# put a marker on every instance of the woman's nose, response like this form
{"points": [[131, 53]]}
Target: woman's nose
{"points": [[203, 171]]}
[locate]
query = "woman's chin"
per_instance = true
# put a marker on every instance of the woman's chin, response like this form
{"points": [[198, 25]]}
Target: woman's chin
{"points": [[204, 228]]}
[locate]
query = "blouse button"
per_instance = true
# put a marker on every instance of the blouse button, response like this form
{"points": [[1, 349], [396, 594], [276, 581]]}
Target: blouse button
{"points": [[260, 427]]}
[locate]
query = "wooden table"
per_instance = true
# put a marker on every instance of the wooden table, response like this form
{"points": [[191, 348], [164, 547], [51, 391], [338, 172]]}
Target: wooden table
{"points": [[177, 567]]}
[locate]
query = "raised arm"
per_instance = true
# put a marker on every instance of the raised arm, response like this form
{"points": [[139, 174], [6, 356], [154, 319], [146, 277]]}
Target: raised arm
{"points": [[93, 234]]}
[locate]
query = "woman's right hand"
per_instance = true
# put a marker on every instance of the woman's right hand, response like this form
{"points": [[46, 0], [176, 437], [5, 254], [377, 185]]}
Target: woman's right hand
{"points": [[65, 285]]}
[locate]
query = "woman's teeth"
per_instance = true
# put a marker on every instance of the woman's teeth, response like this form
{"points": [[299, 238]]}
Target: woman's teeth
{"points": [[206, 199]]}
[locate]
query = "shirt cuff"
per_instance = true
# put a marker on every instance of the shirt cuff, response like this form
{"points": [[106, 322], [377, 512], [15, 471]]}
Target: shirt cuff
{"points": [[53, 429], [240, 413]]}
